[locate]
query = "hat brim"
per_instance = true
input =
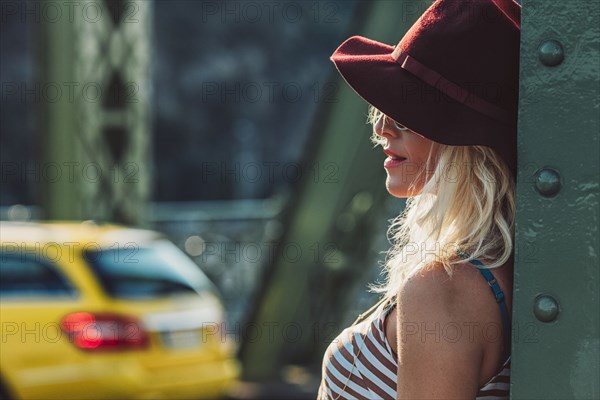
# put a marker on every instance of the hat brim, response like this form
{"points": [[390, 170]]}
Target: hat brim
{"points": [[368, 67]]}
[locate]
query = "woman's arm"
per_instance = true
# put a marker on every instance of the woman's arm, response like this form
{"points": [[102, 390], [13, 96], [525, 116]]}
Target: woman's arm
{"points": [[440, 350]]}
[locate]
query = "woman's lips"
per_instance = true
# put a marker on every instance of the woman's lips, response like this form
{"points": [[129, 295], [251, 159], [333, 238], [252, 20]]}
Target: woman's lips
{"points": [[393, 162], [393, 159]]}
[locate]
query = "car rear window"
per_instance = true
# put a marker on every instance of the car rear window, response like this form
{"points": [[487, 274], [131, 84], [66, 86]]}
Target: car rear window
{"points": [[31, 276], [131, 271]]}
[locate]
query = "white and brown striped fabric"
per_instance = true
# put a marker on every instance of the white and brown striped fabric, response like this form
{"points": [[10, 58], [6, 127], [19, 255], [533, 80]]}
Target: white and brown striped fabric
{"points": [[370, 373]]}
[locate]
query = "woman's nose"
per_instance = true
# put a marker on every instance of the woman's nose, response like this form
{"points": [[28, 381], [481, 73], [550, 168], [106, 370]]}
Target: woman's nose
{"points": [[385, 127]]}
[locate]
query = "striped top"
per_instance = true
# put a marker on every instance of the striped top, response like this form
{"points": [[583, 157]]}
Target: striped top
{"points": [[375, 369]]}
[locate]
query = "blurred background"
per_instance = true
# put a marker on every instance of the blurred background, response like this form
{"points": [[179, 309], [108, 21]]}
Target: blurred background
{"points": [[139, 135], [191, 207]]}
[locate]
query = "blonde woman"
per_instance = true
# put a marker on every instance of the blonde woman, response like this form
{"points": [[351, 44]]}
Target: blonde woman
{"points": [[443, 104]]}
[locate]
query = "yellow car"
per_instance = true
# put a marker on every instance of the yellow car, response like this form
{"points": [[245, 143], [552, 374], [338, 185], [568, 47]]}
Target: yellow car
{"points": [[94, 311]]}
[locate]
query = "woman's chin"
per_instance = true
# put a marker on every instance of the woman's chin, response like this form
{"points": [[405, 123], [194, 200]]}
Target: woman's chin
{"points": [[398, 187], [396, 190]]}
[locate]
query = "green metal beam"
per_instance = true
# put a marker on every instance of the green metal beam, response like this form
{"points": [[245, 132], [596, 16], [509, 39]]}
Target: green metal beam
{"points": [[96, 134], [57, 123], [556, 297]]}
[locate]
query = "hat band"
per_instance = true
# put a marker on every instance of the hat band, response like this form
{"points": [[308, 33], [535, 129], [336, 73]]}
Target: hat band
{"points": [[450, 89]]}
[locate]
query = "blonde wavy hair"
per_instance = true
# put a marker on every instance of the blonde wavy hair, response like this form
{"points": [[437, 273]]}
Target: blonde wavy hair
{"points": [[467, 205]]}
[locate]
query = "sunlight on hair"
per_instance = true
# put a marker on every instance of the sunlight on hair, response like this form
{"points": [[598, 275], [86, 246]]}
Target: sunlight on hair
{"points": [[373, 116], [468, 204]]}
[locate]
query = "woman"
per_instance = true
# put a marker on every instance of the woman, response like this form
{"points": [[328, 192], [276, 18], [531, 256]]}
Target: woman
{"points": [[444, 109]]}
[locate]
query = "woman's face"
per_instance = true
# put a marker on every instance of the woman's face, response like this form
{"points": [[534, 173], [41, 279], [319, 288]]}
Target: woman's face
{"points": [[407, 175]]}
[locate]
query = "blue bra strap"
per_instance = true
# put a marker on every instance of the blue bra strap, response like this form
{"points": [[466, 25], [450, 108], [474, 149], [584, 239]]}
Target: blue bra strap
{"points": [[499, 295]]}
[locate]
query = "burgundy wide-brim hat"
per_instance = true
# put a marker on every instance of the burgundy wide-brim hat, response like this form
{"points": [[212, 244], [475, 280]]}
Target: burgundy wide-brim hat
{"points": [[453, 78]]}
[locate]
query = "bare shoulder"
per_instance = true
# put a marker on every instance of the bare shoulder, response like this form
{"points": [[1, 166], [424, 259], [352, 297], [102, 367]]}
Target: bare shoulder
{"points": [[436, 320], [434, 290]]}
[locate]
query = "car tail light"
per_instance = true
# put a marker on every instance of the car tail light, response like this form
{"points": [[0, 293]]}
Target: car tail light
{"points": [[103, 331]]}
